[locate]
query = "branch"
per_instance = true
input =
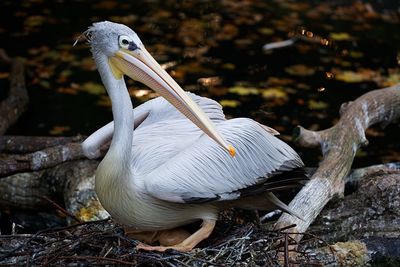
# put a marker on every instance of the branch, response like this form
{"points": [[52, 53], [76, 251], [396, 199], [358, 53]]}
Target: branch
{"points": [[16, 102], [64, 149], [28, 144], [73, 182], [339, 145]]}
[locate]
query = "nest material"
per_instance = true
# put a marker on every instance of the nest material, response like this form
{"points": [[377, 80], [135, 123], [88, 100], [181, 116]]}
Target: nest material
{"points": [[104, 243]]}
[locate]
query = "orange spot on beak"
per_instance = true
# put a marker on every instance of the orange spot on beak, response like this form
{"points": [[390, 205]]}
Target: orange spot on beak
{"points": [[232, 151]]}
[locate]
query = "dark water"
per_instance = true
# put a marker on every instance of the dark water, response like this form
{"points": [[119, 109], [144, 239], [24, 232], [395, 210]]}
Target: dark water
{"points": [[214, 49]]}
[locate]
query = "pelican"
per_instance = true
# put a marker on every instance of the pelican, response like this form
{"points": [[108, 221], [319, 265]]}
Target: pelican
{"points": [[176, 159]]}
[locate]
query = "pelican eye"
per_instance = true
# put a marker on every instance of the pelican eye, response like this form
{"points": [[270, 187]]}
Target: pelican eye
{"points": [[124, 41]]}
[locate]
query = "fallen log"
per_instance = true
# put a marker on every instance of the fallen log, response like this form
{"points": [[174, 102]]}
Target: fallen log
{"points": [[339, 145], [364, 226], [71, 182], [29, 144], [62, 149]]}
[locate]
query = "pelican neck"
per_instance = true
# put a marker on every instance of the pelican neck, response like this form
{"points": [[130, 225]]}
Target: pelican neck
{"points": [[121, 144]]}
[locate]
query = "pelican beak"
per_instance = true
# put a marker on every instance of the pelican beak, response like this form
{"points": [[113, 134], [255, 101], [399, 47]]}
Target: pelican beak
{"points": [[142, 67]]}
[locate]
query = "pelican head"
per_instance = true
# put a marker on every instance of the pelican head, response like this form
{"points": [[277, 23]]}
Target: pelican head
{"points": [[126, 55]]}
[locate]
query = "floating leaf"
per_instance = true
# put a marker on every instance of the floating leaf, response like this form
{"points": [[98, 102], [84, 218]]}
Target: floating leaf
{"points": [[229, 66], [313, 104], [92, 88], [274, 93], [356, 77], [4, 75], [241, 90], [392, 79], [266, 31], [340, 36], [57, 130], [104, 101], [300, 70], [303, 86], [210, 81], [229, 103], [67, 90], [34, 22], [356, 54], [276, 81]]}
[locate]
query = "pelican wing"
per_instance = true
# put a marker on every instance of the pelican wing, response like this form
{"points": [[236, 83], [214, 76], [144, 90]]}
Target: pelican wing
{"points": [[157, 110], [203, 171], [160, 109]]}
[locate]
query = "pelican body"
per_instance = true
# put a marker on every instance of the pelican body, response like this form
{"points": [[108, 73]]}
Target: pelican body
{"points": [[176, 159]]}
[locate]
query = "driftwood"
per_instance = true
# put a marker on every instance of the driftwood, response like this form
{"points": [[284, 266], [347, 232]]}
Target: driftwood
{"points": [[339, 145], [29, 144], [49, 152], [72, 182], [365, 225], [17, 100]]}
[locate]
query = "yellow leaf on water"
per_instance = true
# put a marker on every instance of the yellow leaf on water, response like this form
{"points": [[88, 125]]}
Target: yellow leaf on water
{"points": [[104, 101], [355, 77], [4, 75], [57, 130], [67, 90], [229, 66], [241, 90], [266, 31], [274, 93], [356, 54], [279, 81], [340, 36], [229, 103], [313, 104], [92, 88], [300, 70], [392, 79]]}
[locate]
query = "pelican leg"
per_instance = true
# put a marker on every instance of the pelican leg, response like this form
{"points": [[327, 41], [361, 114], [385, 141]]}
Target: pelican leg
{"points": [[165, 237], [148, 237], [189, 243]]}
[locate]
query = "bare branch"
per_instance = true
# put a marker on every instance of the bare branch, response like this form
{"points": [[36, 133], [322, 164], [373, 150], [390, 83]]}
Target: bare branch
{"points": [[339, 145]]}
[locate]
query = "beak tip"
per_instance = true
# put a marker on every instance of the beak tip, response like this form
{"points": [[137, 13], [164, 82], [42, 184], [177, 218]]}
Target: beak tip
{"points": [[232, 151]]}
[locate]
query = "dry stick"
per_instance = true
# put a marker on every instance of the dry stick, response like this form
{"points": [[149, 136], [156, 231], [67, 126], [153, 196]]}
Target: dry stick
{"points": [[16, 102], [286, 251], [61, 209], [339, 145], [29, 144], [98, 260]]}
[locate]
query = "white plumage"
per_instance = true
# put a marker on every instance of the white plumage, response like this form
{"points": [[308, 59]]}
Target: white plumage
{"points": [[167, 172]]}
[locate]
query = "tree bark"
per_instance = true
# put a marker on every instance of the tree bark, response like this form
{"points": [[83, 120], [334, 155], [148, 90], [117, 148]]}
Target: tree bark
{"points": [[16, 102], [71, 182], [29, 144], [364, 227], [62, 149], [339, 145]]}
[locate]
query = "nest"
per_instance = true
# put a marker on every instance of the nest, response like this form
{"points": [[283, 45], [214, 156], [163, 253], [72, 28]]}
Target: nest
{"points": [[103, 242]]}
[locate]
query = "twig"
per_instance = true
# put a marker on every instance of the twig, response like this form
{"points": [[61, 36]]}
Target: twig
{"points": [[61, 209], [97, 259], [286, 251]]}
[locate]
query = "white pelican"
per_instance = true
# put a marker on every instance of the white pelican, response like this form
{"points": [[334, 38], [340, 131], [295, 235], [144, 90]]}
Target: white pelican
{"points": [[166, 173]]}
